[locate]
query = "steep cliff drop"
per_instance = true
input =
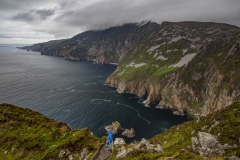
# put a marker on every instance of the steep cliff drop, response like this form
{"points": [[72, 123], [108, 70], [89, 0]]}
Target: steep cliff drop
{"points": [[185, 66]]}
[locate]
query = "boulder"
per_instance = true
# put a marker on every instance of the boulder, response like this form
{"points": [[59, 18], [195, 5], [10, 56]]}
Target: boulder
{"points": [[208, 141], [119, 141], [195, 144], [129, 133], [114, 128], [145, 145], [234, 158], [122, 152], [207, 145]]}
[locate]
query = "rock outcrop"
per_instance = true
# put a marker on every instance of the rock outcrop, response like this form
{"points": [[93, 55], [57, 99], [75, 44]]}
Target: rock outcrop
{"points": [[129, 133], [145, 145], [119, 141], [115, 127], [190, 69], [206, 145]]}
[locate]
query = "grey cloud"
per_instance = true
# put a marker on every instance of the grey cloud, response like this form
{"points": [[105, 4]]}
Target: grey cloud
{"points": [[33, 15], [23, 4], [45, 13], [75, 16], [27, 16], [5, 36], [104, 14]]}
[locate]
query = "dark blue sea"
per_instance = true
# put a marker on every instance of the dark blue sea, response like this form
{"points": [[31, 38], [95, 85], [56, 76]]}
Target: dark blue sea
{"points": [[75, 92]]}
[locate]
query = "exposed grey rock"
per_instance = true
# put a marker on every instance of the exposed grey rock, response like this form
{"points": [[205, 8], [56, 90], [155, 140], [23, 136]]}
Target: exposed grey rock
{"points": [[192, 132], [195, 144], [70, 157], [119, 141], [114, 128], [226, 146], [214, 125], [61, 153], [129, 133], [208, 141], [122, 152], [103, 154], [234, 146], [67, 152], [208, 145], [84, 153], [144, 144], [234, 158], [205, 127], [5, 152], [177, 113]]}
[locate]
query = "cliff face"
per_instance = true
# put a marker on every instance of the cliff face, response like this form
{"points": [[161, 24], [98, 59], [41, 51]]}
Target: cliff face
{"points": [[185, 66], [106, 46], [40, 47]]}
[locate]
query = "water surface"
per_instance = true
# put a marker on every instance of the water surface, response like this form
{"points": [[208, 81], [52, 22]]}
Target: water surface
{"points": [[76, 93]]}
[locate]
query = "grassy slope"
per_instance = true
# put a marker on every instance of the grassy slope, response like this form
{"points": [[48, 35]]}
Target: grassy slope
{"points": [[176, 141], [34, 136]]}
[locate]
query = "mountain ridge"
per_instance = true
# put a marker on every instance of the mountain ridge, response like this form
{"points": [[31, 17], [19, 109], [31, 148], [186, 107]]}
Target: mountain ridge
{"points": [[185, 66]]}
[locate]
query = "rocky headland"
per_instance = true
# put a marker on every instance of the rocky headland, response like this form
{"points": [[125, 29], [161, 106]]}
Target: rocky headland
{"points": [[185, 66]]}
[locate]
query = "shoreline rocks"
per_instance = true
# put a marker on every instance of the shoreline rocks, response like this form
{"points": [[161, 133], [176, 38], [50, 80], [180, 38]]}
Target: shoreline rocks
{"points": [[115, 128], [129, 133]]}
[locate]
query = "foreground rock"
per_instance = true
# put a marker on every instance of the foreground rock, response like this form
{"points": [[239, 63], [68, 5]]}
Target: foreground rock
{"points": [[129, 133], [119, 141], [145, 145], [103, 154], [115, 128], [208, 145]]}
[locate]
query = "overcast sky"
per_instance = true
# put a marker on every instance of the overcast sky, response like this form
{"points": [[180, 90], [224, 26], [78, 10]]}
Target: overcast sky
{"points": [[34, 21]]}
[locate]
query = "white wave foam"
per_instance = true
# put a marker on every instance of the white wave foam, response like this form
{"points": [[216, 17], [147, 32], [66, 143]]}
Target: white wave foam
{"points": [[138, 114], [105, 100]]}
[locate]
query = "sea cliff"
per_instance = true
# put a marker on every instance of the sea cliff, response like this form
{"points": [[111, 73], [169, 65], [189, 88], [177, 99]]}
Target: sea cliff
{"points": [[185, 66]]}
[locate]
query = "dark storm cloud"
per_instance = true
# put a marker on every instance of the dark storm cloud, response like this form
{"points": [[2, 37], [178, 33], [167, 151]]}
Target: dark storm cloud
{"points": [[65, 18], [104, 14], [45, 13], [21, 4], [33, 15]]}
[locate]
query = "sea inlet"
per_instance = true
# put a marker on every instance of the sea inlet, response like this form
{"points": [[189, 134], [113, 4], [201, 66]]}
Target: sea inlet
{"points": [[75, 92]]}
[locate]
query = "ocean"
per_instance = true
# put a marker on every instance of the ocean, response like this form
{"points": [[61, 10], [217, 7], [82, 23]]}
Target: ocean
{"points": [[75, 92]]}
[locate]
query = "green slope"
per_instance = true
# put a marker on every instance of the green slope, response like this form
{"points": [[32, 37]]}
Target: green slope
{"points": [[26, 134]]}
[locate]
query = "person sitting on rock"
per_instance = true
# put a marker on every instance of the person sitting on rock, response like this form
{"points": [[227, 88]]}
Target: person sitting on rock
{"points": [[109, 140]]}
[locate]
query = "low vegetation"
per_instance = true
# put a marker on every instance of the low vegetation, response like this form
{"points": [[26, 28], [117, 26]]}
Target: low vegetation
{"points": [[25, 134]]}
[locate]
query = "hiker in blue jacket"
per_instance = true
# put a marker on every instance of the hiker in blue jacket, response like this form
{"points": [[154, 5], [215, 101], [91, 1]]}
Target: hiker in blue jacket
{"points": [[109, 140]]}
